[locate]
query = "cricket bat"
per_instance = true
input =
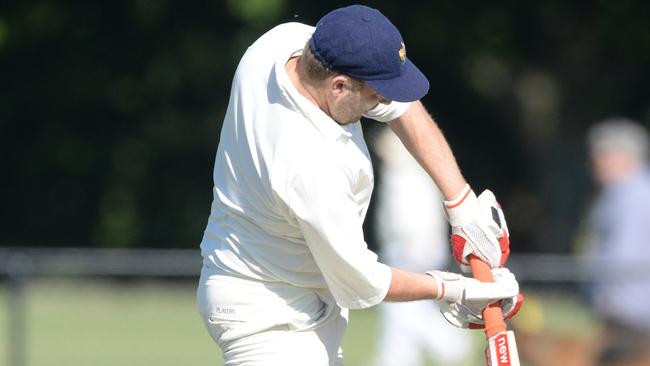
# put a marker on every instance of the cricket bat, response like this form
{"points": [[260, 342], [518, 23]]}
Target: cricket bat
{"points": [[501, 348]]}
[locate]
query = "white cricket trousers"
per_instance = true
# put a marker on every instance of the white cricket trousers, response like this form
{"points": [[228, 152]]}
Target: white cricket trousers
{"points": [[266, 324]]}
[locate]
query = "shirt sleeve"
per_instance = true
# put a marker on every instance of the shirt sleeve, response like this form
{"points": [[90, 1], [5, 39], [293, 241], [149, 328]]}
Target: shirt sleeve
{"points": [[328, 215], [387, 112]]}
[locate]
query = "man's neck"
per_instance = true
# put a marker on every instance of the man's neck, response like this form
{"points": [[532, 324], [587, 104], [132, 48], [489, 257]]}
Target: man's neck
{"points": [[309, 91]]}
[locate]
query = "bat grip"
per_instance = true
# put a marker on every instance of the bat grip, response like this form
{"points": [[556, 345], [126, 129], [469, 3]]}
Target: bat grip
{"points": [[492, 315]]}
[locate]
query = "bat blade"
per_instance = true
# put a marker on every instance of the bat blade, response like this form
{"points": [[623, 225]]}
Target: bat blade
{"points": [[501, 349]]}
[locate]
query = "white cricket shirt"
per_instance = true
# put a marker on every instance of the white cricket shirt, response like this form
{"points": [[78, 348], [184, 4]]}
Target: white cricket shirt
{"points": [[292, 186]]}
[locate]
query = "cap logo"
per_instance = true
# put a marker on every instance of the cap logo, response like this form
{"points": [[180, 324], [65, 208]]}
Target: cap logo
{"points": [[402, 53]]}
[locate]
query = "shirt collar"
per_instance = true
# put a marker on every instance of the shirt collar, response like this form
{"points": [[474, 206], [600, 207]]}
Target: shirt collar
{"points": [[323, 123]]}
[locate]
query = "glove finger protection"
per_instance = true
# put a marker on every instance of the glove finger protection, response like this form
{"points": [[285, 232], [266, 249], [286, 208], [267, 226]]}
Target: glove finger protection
{"points": [[462, 316], [478, 228], [498, 225], [463, 298], [505, 282]]}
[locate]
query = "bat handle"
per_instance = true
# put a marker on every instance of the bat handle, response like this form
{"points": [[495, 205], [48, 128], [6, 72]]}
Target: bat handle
{"points": [[492, 315]]}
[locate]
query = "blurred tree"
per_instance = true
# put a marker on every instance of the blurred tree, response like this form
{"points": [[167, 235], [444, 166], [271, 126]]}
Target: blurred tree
{"points": [[110, 111]]}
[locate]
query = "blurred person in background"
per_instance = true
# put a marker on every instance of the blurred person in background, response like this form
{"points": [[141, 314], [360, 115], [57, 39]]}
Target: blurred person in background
{"points": [[620, 240], [415, 242]]}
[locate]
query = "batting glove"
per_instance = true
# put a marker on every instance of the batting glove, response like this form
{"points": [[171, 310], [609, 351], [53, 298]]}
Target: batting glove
{"points": [[464, 298], [478, 227]]}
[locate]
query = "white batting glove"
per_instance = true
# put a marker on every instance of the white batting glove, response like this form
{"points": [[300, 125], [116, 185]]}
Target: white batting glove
{"points": [[462, 299], [478, 227]]}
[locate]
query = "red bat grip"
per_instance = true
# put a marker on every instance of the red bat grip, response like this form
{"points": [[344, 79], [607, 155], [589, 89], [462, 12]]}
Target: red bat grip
{"points": [[492, 315]]}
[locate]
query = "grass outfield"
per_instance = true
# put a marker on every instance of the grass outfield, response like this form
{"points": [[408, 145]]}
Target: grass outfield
{"points": [[73, 322], [95, 323], [98, 323]]}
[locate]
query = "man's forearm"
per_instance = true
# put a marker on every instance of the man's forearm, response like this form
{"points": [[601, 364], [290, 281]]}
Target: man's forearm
{"points": [[409, 286], [421, 136]]}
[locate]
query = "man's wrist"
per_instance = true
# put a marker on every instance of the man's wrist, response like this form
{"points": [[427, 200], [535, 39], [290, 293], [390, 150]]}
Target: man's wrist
{"points": [[439, 287], [460, 197], [449, 286], [462, 209]]}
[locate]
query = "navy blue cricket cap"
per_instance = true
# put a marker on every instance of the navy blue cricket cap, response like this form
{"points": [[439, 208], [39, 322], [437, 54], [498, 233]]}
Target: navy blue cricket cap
{"points": [[362, 43]]}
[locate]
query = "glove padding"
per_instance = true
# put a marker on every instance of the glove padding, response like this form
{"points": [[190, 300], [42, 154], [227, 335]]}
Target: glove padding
{"points": [[464, 298], [480, 222]]}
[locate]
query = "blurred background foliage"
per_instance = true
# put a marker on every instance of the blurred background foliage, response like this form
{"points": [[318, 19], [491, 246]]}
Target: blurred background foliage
{"points": [[110, 111]]}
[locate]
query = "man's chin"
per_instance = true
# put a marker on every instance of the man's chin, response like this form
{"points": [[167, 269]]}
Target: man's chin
{"points": [[347, 122]]}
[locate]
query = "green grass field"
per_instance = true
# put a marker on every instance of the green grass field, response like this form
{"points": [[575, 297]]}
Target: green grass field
{"points": [[95, 323], [103, 323], [73, 322]]}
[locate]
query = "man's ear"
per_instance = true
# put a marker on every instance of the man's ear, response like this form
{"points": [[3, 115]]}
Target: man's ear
{"points": [[338, 84]]}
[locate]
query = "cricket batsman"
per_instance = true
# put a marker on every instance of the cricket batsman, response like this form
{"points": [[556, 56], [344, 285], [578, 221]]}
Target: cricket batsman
{"points": [[284, 256]]}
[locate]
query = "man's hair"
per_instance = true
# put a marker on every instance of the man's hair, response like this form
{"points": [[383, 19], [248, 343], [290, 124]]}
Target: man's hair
{"points": [[317, 72], [620, 134]]}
